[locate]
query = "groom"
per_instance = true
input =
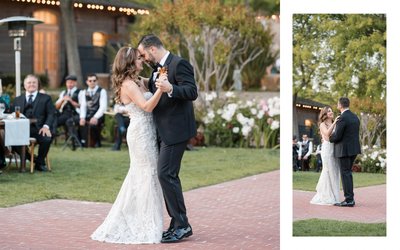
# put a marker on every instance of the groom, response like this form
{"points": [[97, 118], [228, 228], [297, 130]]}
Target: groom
{"points": [[347, 145], [174, 119]]}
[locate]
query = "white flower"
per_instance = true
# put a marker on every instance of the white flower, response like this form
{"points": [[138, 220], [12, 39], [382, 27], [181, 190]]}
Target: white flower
{"points": [[249, 103], [274, 106], [219, 111], [230, 94], [246, 130], [235, 130], [211, 114], [374, 155], [253, 111], [275, 125], [251, 122], [210, 96], [229, 111], [260, 114], [206, 120]]}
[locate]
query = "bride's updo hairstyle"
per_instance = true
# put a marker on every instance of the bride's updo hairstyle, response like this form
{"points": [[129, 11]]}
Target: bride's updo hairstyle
{"points": [[124, 67], [323, 115]]}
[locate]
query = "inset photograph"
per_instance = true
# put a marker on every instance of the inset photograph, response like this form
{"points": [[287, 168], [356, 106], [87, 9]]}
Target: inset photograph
{"points": [[339, 125]]}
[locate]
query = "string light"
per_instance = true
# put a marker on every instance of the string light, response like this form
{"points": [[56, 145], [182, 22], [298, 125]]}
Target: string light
{"points": [[98, 7]]}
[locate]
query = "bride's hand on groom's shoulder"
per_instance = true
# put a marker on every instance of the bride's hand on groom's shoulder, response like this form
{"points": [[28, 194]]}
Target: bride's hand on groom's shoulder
{"points": [[336, 119]]}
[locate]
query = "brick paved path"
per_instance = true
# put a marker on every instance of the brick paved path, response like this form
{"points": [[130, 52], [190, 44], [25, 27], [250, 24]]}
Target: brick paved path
{"points": [[370, 206], [241, 214]]}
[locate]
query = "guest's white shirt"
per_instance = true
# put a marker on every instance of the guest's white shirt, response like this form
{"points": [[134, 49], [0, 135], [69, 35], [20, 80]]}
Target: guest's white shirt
{"points": [[83, 104], [310, 148], [27, 94], [63, 93], [72, 91]]}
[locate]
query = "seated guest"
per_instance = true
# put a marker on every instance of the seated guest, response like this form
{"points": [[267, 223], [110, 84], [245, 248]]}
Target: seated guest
{"points": [[4, 98], [122, 125], [38, 106], [68, 106], [92, 107]]}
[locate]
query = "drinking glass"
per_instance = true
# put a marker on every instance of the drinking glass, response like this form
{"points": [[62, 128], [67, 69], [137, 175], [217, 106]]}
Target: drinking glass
{"points": [[17, 111]]}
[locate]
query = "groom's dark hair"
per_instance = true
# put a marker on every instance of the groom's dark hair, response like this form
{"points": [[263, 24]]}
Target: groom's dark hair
{"points": [[344, 101], [150, 40]]}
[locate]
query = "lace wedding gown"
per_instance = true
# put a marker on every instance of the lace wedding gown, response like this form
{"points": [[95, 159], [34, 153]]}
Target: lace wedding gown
{"points": [[136, 216], [329, 181]]}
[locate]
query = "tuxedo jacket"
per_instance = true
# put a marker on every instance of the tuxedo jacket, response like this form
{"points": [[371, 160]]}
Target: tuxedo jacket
{"points": [[174, 116], [43, 109], [346, 135]]}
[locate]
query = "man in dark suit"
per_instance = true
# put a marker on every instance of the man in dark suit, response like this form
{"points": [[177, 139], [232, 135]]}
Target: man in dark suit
{"points": [[347, 145], [38, 106], [175, 123]]}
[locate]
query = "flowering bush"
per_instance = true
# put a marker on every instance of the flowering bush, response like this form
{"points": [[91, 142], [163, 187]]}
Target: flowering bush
{"points": [[229, 122], [373, 160]]}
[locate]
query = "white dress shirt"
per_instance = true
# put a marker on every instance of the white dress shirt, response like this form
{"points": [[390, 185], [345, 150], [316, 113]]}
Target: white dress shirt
{"points": [[34, 94], [83, 104]]}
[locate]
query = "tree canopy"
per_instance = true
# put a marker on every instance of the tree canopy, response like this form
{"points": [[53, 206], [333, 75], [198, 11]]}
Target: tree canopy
{"points": [[340, 55], [213, 36]]}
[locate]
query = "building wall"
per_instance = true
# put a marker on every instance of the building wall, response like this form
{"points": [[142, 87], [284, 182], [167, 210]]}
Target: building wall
{"points": [[304, 114], [7, 54], [87, 22]]}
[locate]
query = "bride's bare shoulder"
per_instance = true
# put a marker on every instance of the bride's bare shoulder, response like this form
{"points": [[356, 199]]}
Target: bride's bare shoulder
{"points": [[127, 82]]}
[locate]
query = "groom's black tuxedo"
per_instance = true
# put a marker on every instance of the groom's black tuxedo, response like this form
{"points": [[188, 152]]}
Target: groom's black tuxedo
{"points": [[347, 145], [175, 123], [174, 116]]}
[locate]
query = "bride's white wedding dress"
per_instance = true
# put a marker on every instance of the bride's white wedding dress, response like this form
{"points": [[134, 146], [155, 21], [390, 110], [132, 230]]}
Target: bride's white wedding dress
{"points": [[328, 186], [136, 216]]}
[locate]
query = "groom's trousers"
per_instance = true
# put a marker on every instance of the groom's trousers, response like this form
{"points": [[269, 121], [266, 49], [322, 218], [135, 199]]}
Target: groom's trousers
{"points": [[169, 164], [346, 164]]}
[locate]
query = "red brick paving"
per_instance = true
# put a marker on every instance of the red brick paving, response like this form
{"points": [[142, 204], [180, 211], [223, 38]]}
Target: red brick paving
{"points": [[370, 206], [240, 214]]}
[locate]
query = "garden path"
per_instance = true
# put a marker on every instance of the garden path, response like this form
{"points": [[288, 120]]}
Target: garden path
{"points": [[240, 214], [370, 206]]}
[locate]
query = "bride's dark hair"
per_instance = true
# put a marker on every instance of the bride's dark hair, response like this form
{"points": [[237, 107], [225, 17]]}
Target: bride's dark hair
{"points": [[124, 67], [323, 115]]}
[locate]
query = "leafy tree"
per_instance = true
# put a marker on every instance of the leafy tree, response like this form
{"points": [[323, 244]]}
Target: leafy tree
{"points": [[214, 37], [343, 54], [340, 55]]}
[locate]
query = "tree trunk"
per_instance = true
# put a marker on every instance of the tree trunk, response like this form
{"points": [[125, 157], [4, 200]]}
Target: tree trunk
{"points": [[71, 41], [295, 125]]}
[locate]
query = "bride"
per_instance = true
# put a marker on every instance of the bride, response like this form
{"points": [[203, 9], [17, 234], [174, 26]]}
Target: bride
{"points": [[329, 181], [136, 216]]}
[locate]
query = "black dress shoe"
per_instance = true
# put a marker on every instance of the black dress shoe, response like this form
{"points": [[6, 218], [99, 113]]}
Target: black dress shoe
{"points": [[178, 235], [42, 168], [168, 232], [346, 204]]}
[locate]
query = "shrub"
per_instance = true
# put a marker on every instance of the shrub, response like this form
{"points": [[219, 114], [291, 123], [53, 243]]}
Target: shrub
{"points": [[229, 122], [372, 160]]}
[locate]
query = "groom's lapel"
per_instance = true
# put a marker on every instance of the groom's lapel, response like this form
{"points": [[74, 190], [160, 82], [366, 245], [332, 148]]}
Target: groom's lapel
{"points": [[169, 59]]}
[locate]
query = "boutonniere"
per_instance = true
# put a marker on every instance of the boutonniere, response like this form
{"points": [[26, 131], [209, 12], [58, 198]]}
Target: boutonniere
{"points": [[162, 70]]}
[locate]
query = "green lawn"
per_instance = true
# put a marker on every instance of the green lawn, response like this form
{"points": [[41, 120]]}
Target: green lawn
{"points": [[318, 227], [307, 181], [97, 174]]}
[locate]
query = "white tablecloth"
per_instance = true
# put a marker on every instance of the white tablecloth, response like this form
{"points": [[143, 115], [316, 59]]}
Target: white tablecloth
{"points": [[16, 132]]}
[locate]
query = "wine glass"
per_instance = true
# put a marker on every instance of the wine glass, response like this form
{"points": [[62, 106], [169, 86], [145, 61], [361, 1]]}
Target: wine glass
{"points": [[2, 109]]}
